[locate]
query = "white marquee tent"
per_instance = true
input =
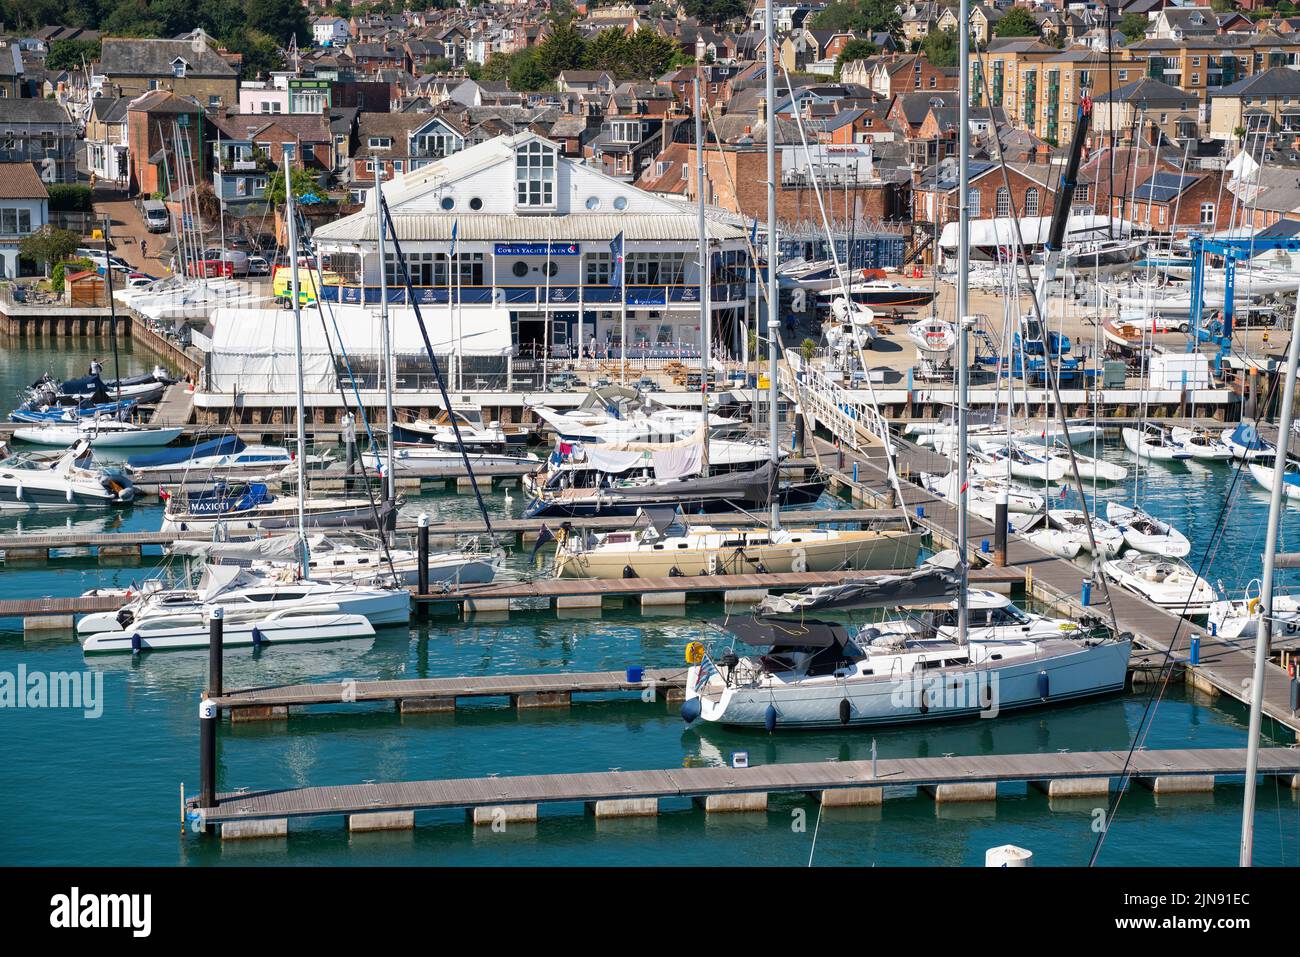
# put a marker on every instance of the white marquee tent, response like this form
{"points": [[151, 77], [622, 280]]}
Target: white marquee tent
{"points": [[252, 350]]}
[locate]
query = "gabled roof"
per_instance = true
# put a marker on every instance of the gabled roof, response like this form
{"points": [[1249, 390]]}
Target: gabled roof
{"points": [[1148, 91], [137, 57], [1279, 81], [21, 181], [15, 110]]}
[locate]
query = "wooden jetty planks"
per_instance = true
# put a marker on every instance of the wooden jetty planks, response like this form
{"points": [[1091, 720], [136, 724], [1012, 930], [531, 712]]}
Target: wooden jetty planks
{"points": [[696, 782], [467, 686]]}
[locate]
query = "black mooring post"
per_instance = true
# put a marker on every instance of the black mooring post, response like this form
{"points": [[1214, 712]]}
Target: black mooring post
{"points": [[207, 753], [422, 540], [216, 640], [1000, 531]]}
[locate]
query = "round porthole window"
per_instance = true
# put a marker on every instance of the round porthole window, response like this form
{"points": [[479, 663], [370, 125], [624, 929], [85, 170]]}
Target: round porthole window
{"points": [[552, 268], [620, 202], [448, 203], [593, 202], [520, 269], [476, 203]]}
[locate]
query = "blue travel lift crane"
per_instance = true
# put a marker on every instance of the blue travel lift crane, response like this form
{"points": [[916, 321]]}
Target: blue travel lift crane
{"points": [[1232, 250]]}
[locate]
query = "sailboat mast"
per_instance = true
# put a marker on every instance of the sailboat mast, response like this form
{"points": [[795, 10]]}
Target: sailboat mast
{"points": [[705, 304], [963, 267], [291, 216], [1264, 630], [773, 296], [390, 480]]}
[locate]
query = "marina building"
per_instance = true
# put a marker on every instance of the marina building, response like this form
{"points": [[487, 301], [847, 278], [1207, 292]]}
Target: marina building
{"points": [[512, 234]]}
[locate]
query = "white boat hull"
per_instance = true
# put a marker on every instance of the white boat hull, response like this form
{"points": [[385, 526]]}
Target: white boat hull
{"points": [[193, 631], [932, 696]]}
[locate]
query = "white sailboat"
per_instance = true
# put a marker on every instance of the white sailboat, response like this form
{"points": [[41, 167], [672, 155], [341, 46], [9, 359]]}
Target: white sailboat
{"points": [[101, 432], [1154, 444], [1245, 442], [1202, 445], [1074, 522], [1266, 476], [1146, 533]]}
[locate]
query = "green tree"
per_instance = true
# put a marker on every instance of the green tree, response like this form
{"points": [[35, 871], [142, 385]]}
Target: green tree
{"points": [[131, 18], [854, 50], [1133, 26], [279, 19], [1016, 22], [862, 16], [563, 49], [67, 267], [261, 54], [940, 47], [70, 197], [70, 54], [49, 245], [526, 73], [304, 183], [715, 12], [607, 50], [649, 54]]}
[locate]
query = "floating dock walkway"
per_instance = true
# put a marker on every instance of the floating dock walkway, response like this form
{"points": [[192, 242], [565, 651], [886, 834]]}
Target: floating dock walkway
{"points": [[509, 800]]}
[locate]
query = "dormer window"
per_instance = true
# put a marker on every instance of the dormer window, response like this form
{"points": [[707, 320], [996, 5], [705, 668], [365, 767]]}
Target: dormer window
{"points": [[178, 68], [535, 176]]}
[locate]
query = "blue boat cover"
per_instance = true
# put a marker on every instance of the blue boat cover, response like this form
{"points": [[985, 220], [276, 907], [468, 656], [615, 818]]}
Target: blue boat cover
{"points": [[1246, 436], [89, 383], [225, 445], [223, 499]]}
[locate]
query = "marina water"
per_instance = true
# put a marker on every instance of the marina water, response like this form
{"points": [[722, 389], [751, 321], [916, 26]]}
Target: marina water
{"points": [[118, 776]]}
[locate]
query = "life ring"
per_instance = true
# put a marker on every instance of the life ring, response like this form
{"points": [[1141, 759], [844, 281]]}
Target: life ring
{"points": [[1251, 606], [798, 561], [694, 653]]}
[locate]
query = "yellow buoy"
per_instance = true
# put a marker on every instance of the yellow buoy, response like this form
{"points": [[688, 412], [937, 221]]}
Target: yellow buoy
{"points": [[694, 653]]}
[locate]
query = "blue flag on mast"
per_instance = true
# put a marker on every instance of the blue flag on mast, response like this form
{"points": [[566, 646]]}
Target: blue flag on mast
{"points": [[616, 251], [455, 230]]}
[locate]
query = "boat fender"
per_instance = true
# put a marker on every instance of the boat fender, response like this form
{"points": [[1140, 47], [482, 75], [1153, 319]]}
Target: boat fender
{"points": [[629, 571], [1044, 685], [690, 709], [135, 644], [673, 572], [258, 638], [68, 494], [769, 718], [845, 711], [18, 490]]}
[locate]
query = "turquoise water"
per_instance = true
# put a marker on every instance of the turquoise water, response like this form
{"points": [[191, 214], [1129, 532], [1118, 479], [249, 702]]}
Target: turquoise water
{"points": [[106, 790]]}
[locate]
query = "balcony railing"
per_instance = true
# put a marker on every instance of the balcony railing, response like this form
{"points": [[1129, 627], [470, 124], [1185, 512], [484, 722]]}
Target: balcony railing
{"points": [[556, 296]]}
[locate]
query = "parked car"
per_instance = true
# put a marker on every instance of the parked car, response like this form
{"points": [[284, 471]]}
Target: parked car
{"points": [[101, 260], [258, 266], [139, 279], [156, 217]]}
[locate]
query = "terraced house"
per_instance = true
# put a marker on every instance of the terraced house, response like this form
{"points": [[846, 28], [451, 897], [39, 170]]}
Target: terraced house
{"points": [[39, 132], [191, 68], [1207, 63]]}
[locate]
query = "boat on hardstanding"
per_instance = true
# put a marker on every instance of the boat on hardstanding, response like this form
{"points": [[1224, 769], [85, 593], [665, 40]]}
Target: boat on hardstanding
{"points": [[797, 671], [661, 545], [934, 338], [1168, 582], [70, 481]]}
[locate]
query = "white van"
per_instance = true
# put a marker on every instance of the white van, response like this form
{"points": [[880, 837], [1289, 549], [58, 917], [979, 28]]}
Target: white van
{"points": [[156, 217]]}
